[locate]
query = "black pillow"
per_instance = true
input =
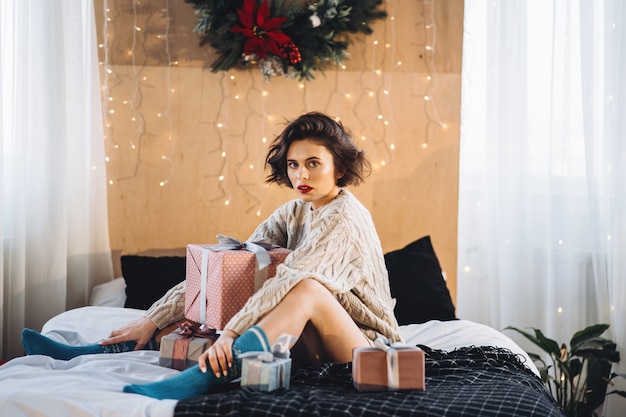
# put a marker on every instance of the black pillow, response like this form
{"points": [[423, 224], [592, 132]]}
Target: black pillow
{"points": [[148, 278], [417, 284]]}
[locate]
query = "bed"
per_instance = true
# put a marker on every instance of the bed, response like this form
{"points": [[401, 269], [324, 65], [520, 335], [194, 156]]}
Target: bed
{"points": [[471, 370]]}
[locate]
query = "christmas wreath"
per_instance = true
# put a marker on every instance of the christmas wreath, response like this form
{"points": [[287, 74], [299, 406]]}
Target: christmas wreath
{"points": [[289, 38]]}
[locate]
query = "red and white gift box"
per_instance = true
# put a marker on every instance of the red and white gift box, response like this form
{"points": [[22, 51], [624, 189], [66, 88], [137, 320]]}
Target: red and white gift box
{"points": [[388, 367], [182, 348], [219, 280]]}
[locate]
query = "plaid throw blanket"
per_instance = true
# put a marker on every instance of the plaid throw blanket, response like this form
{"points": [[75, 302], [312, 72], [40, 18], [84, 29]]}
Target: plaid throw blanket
{"points": [[473, 381]]}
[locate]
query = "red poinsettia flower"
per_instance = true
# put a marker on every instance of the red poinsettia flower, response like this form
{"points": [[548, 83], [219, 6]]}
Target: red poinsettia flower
{"points": [[263, 32]]}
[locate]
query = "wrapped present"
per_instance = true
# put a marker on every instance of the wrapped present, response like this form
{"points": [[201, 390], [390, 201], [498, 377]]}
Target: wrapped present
{"points": [[388, 367], [182, 348], [268, 371], [221, 277]]}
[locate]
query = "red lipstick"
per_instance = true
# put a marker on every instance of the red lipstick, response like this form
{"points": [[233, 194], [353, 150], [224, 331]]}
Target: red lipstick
{"points": [[304, 189]]}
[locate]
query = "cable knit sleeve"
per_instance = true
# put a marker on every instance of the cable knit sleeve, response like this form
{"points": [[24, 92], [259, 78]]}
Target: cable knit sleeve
{"points": [[169, 308]]}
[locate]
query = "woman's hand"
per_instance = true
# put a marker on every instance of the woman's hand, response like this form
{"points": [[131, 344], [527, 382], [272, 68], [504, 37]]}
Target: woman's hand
{"points": [[219, 355], [140, 331]]}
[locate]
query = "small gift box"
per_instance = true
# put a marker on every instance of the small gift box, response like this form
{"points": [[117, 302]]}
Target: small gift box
{"points": [[268, 371], [221, 277], [388, 367], [182, 348]]}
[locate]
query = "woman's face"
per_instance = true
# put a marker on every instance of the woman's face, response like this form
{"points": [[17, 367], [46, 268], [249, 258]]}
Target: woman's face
{"points": [[311, 170]]}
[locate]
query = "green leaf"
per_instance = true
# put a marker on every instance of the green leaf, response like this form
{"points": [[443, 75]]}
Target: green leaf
{"points": [[548, 345], [535, 357], [576, 367], [587, 333], [598, 348], [620, 393], [543, 372]]}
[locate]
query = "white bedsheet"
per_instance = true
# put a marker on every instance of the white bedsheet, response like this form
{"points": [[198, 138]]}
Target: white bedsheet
{"points": [[91, 385]]}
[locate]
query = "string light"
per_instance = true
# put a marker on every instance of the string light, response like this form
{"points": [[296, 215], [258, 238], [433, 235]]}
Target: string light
{"points": [[234, 174], [431, 111], [170, 90]]}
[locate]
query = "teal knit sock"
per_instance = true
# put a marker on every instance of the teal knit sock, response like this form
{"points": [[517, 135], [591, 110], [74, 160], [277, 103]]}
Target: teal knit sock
{"points": [[37, 344], [192, 381]]}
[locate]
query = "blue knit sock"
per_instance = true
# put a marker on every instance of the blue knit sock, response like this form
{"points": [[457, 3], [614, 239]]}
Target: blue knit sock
{"points": [[192, 381], [37, 344]]}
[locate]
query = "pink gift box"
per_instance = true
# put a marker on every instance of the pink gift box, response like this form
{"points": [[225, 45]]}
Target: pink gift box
{"points": [[231, 277]]}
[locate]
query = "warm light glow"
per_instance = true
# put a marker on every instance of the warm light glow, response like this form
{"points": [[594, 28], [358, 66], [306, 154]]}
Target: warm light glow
{"points": [[344, 97]]}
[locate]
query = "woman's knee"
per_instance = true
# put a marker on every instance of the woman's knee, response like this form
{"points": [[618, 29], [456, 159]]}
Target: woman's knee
{"points": [[310, 286]]}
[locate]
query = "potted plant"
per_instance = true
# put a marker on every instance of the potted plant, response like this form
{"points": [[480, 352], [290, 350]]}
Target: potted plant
{"points": [[577, 376]]}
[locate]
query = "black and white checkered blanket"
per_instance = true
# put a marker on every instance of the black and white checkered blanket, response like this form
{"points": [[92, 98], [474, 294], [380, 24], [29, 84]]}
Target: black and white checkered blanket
{"points": [[473, 381]]}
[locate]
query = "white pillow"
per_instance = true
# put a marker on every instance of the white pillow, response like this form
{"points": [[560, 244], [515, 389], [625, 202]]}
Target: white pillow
{"points": [[109, 294]]}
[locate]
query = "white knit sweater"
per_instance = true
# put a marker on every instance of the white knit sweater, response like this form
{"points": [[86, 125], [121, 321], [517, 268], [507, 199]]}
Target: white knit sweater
{"points": [[337, 245]]}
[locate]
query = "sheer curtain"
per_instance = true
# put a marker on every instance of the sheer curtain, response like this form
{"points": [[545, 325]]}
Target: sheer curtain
{"points": [[54, 228], [542, 204]]}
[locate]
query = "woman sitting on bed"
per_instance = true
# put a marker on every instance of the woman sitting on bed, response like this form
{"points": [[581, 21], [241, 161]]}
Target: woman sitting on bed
{"points": [[332, 291]]}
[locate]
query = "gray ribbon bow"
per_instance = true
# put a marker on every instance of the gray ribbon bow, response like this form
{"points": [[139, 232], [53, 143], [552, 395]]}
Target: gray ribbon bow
{"points": [[280, 349], [393, 371], [259, 248]]}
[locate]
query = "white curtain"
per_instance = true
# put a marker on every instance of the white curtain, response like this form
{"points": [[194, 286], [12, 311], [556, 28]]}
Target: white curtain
{"points": [[54, 228], [542, 203]]}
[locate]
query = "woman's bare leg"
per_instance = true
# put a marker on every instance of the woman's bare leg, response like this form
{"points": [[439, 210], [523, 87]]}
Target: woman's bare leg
{"points": [[311, 302], [309, 309], [309, 349]]}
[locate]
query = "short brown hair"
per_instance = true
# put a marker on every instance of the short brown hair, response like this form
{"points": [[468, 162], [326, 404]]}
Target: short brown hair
{"points": [[326, 131]]}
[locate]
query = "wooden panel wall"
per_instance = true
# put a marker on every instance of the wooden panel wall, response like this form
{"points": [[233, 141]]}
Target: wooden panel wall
{"points": [[185, 146]]}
